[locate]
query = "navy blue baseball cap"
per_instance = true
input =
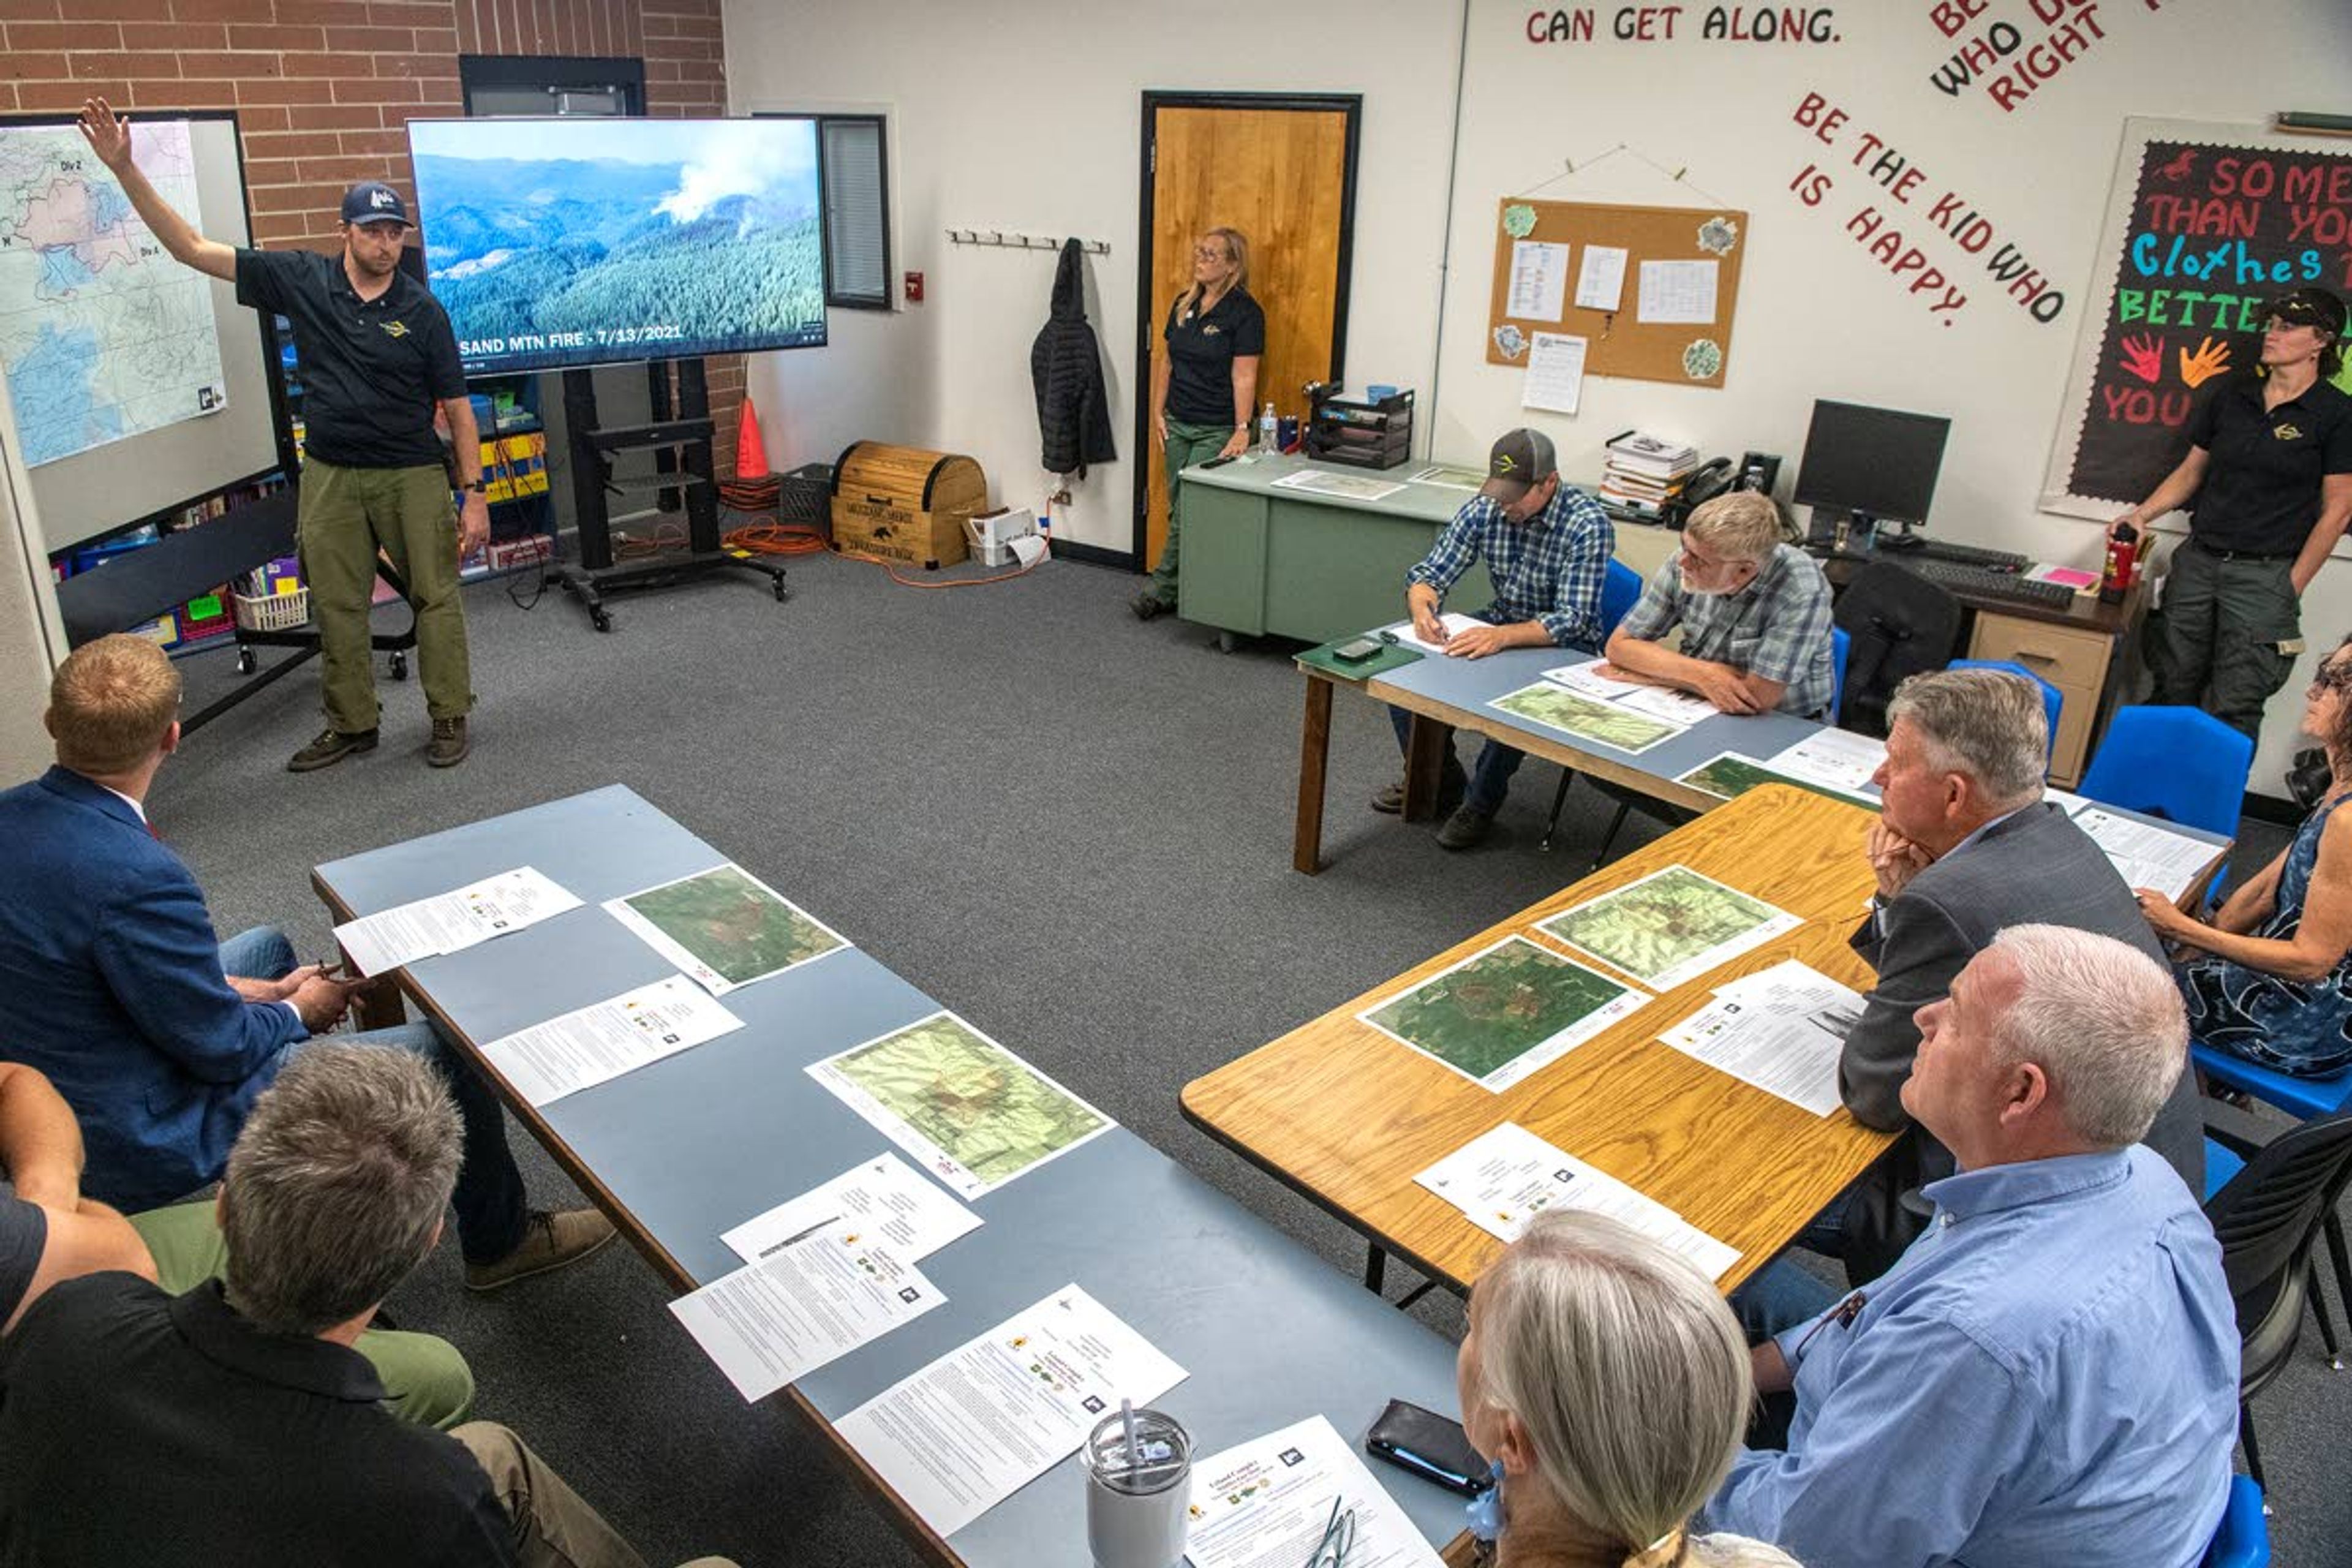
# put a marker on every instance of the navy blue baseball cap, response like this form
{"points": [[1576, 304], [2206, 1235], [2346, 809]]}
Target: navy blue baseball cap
{"points": [[371, 201]]}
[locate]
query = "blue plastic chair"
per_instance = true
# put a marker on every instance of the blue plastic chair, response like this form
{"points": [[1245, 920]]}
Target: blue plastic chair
{"points": [[2179, 763], [2243, 1540], [2052, 697], [1619, 591], [2222, 1163], [1841, 644], [2303, 1097]]}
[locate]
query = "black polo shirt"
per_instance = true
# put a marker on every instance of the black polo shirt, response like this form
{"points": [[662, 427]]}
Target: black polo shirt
{"points": [[2262, 488], [371, 369], [1200, 353], [137, 1427], [23, 1236]]}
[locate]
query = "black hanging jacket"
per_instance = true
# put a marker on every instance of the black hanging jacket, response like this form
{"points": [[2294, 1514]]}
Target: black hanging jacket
{"points": [[1073, 410]]}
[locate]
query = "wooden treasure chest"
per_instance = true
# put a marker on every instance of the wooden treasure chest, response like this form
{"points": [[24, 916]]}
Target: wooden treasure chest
{"points": [[904, 505]]}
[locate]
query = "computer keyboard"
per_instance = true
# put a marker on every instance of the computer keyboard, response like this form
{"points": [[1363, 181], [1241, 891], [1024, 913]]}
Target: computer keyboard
{"points": [[1973, 555], [1984, 585]]}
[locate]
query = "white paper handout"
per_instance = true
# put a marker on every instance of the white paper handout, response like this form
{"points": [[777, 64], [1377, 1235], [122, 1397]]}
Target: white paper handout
{"points": [[1838, 758], [1451, 621], [1555, 377], [1539, 281], [1598, 679], [2064, 801], [973, 1427], [772, 1322], [1265, 1504], [1780, 1029], [1677, 291], [882, 1199], [1503, 1179], [1601, 281], [2147, 855], [599, 1042], [448, 922]]}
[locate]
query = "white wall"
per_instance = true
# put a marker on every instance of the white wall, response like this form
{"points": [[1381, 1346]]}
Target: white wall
{"points": [[1021, 115]]}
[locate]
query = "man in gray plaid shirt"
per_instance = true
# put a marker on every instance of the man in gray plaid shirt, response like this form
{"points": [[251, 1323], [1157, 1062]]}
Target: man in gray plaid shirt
{"points": [[1755, 614], [1547, 552]]}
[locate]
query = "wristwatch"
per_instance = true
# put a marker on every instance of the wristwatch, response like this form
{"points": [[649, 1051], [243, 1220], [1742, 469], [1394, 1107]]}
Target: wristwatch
{"points": [[479, 486]]}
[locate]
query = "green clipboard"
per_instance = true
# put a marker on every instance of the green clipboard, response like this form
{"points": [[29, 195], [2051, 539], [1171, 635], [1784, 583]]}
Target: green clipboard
{"points": [[1381, 663]]}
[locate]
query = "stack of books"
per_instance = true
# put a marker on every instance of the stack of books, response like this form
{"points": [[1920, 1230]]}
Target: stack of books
{"points": [[1644, 473]]}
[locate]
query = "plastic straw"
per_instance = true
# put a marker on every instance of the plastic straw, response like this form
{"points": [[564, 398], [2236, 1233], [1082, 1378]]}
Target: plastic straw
{"points": [[1127, 1417]]}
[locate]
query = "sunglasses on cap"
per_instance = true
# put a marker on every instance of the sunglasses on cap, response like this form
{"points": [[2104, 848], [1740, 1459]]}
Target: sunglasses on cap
{"points": [[2305, 308]]}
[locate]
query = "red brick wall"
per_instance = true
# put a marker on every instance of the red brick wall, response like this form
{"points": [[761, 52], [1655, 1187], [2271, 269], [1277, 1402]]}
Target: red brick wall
{"points": [[324, 89]]}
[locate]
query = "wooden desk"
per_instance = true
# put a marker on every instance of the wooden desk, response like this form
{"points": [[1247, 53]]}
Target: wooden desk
{"points": [[1347, 1117], [1446, 694], [2084, 648]]}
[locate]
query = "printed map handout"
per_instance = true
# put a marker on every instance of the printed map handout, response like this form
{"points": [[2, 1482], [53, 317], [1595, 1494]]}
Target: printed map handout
{"points": [[1671, 926], [1504, 1011], [963, 1107], [102, 336], [725, 927]]}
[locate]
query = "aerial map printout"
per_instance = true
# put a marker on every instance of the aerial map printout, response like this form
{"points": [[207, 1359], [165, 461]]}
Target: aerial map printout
{"points": [[1731, 775], [102, 336], [725, 927], [967, 1110], [1671, 926], [1545, 702], [1505, 1011]]}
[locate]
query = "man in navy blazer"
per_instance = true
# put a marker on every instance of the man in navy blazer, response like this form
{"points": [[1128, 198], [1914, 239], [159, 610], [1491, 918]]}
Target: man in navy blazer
{"points": [[158, 1035]]}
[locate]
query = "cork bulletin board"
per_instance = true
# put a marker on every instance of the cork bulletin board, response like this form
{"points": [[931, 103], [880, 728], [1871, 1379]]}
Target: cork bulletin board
{"points": [[1680, 270]]}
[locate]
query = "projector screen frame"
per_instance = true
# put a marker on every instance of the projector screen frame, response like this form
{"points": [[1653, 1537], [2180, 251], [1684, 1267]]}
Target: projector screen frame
{"points": [[639, 353], [285, 461]]}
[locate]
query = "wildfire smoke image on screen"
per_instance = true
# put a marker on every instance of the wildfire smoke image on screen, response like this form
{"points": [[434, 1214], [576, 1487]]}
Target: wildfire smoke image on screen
{"points": [[555, 242]]}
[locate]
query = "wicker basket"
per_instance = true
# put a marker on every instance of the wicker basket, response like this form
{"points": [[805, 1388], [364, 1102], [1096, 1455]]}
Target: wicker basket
{"points": [[273, 612]]}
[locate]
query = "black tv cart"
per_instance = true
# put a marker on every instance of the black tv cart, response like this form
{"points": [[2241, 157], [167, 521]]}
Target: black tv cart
{"points": [[682, 446]]}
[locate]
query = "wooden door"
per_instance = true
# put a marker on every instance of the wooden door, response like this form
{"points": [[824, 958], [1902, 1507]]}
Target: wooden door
{"points": [[1282, 171]]}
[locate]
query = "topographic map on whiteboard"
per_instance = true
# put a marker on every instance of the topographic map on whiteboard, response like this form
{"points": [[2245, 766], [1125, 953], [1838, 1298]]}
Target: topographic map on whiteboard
{"points": [[102, 336]]}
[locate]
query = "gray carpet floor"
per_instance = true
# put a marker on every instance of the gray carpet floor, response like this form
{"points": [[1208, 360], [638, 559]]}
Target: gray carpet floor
{"points": [[1072, 828]]}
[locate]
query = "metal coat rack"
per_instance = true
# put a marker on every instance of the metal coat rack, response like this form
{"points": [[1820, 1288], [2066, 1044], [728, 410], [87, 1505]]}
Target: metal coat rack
{"points": [[996, 236]]}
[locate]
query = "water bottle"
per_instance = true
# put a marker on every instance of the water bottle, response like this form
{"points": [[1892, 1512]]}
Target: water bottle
{"points": [[1268, 431]]}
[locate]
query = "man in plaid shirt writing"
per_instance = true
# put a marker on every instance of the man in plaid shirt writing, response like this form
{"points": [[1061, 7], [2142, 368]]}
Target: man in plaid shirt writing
{"points": [[1547, 552]]}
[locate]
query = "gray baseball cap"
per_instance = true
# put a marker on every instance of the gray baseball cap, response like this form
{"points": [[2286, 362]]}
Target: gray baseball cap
{"points": [[1518, 462]]}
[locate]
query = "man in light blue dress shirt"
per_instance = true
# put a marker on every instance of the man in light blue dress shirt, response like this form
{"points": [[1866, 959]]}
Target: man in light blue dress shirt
{"points": [[2049, 1375]]}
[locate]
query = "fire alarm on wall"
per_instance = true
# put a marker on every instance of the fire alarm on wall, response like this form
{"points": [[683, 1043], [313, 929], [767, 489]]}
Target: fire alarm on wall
{"points": [[914, 288]]}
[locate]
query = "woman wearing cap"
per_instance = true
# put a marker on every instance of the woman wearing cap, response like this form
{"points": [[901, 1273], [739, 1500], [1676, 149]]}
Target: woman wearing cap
{"points": [[1204, 381], [2270, 466], [1610, 1386]]}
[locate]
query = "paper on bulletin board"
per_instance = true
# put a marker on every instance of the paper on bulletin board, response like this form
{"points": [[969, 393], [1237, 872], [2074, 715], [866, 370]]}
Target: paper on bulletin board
{"points": [[1601, 281], [1538, 279], [1555, 379], [1677, 291]]}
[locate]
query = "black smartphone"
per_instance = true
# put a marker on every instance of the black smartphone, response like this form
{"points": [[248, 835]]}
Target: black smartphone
{"points": [[1357, 649], [1215, 462], [1430, 1445]]}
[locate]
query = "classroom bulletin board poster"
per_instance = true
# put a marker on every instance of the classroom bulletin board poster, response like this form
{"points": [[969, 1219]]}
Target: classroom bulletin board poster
{"points": [[2207, 224]]}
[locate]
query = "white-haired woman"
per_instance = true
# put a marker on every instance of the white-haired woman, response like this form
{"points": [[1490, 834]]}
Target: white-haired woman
{"points": [[1610, 1386]]}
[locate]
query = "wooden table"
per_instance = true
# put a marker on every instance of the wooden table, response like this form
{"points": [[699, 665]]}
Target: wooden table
{"points": [[1446, 694], [1349, 1117]]}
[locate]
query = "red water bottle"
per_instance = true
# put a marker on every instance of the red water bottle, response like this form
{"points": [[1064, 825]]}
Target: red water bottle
{"points": [[2122, 565]]}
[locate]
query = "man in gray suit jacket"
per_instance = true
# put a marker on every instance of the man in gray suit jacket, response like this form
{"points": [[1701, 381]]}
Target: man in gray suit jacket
{"points": [[1965, 845]]}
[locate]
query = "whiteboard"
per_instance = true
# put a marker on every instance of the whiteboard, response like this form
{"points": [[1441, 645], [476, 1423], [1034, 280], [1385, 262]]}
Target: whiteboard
{"points": [[105, 487]]}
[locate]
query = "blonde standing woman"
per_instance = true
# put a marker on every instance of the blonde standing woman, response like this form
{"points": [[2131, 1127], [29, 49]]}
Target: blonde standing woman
{"points": [[1610, 1386], [1203, 382]]}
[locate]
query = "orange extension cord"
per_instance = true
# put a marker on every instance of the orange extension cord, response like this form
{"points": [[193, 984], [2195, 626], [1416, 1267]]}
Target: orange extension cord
{"points": [[796, 539]]}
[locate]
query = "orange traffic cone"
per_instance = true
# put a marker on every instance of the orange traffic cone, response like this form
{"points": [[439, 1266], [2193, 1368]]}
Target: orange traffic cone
{"points": [[750, 452]]}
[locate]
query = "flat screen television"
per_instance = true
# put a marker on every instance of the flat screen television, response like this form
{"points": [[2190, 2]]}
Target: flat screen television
{"points": [[558, 243]]}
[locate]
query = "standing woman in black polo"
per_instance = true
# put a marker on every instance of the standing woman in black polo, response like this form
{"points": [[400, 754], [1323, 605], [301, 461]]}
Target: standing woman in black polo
{"points": [[1205, 382], [2270, 466]]}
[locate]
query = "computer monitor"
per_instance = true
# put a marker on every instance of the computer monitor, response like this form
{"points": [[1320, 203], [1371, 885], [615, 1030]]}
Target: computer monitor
{"points": [[1877, 464]]}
